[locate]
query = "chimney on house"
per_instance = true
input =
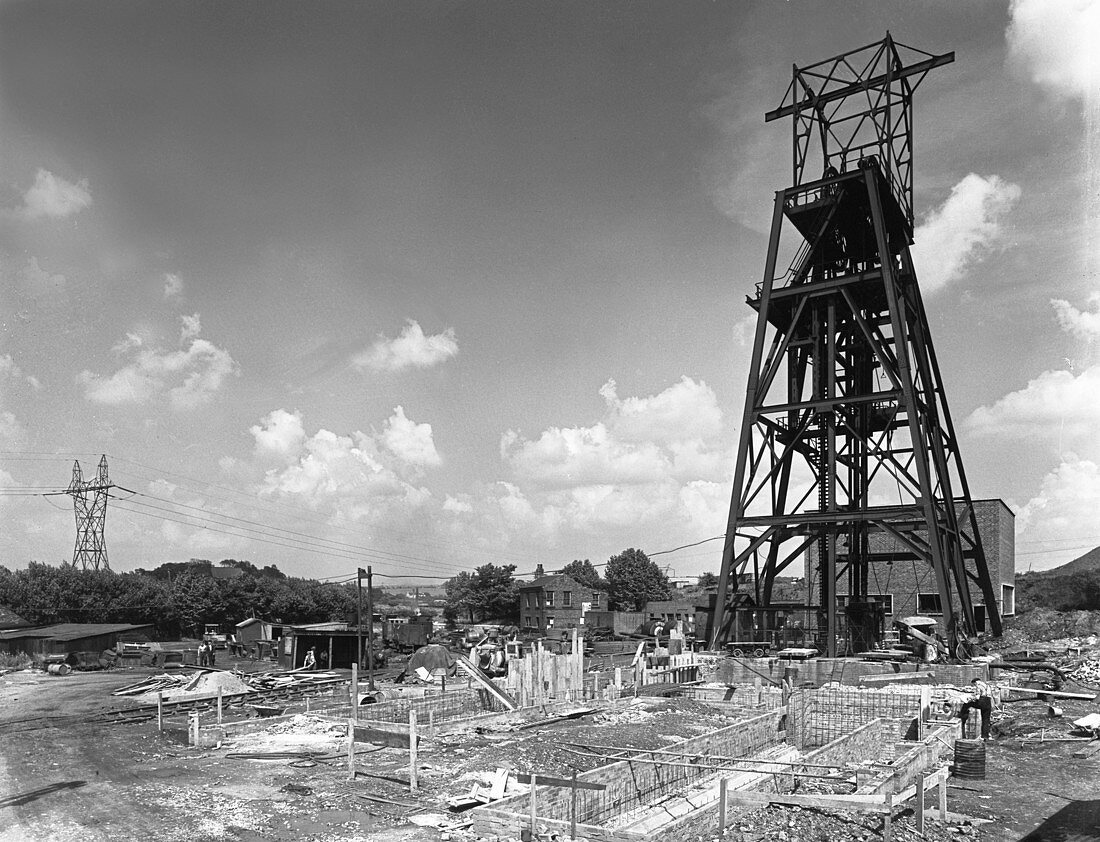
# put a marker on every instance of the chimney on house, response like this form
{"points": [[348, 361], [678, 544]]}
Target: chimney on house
{"points": [[539, 571]]}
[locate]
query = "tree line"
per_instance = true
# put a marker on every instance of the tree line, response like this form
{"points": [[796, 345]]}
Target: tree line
{"points": [[179, 599]]}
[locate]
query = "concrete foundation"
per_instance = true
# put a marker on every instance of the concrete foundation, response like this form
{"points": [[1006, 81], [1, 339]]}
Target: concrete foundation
{"points": [[668, 796], [818, 671], [630, 784]]}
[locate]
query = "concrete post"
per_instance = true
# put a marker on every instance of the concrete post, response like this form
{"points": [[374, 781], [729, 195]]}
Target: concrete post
{"points": [[920, 803], [355, 692], [351, 749], [412, 750], [534, 808], [723, 786]]}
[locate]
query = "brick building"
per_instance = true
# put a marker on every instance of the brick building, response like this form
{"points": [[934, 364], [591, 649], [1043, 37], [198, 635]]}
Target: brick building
{"points": [[556, 601], [907, 586]]}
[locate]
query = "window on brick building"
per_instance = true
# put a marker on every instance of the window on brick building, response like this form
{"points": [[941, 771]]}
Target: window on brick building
{"points": [[549, 599], [929, 603], [887, 600], [566, 599], [1008, 600]]}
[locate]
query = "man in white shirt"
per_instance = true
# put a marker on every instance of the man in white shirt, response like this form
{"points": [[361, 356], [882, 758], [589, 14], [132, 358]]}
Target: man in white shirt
{"points": [[980, 699]]}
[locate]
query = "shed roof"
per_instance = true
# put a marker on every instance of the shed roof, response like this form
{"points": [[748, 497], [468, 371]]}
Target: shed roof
{"points": [[73, 631], [319, 627], [10, 620]]}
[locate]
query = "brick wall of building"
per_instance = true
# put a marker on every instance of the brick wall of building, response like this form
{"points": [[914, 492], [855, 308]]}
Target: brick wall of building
{"points": [[557, 601], [906, 581]]}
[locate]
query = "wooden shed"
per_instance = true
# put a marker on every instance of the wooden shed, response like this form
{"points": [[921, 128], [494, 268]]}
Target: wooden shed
{"points": [[63, 638]]}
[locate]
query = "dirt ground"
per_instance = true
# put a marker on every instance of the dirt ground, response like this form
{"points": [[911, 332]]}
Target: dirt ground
{"points": [[65, 778]]}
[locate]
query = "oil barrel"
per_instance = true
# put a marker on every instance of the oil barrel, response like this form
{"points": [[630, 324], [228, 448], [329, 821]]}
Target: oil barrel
{"points": [[970, 759]]}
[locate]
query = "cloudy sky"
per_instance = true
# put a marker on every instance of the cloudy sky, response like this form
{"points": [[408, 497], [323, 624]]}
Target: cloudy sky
{"points": [[425, 285]]}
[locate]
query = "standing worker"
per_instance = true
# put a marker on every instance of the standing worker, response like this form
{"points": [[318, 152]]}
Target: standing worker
{"points": [[310, 662], [980, 699]]}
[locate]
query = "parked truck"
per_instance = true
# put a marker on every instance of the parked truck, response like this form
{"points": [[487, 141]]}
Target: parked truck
{"points": [[213, 635]]}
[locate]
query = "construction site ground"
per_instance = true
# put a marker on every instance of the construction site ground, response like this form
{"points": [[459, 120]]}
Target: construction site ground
{"points": [[66, 776]]}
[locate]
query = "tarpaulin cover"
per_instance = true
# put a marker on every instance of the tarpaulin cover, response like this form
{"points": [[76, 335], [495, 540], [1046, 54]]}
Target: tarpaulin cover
{"points": [[431, 657]]}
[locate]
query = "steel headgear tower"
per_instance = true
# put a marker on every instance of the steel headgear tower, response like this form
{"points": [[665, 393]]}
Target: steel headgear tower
{"points": [[90, 504], [846, 431]]}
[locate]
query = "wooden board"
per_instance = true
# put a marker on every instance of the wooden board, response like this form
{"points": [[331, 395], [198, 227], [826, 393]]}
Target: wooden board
{"points": [[477, 675], [546, 780], [870, 803], [391, 739]]}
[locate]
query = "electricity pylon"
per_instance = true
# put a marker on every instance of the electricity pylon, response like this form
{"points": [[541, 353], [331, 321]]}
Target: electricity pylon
{"points": [[90, 505]]}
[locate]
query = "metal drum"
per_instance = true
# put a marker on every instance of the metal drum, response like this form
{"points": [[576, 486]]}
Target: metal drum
{"points": [[970, 759]]}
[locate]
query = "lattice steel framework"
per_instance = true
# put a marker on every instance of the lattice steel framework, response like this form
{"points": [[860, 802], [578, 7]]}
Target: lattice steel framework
{"points": [[90, 505], [846, 430]]}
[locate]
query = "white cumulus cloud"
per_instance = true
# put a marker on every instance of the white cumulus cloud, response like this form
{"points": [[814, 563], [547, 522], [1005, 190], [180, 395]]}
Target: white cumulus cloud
{"points": [[685, 411], [1057, 407], [454, 504], [659, 459], [53, 197], [280, 434], [968, 225], [188, 376], [411, 349], [670, 435], [1055, 42], [1060, 522], [410, 442], [1083, 324], [351, 478]]}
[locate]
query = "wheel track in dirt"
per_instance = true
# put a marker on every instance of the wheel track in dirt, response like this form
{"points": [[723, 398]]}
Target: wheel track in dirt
{"points": [[74, 784]]}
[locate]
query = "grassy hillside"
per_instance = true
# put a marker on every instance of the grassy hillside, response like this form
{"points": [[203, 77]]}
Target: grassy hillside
{"points": [[1088, 563], [1075, 586]]}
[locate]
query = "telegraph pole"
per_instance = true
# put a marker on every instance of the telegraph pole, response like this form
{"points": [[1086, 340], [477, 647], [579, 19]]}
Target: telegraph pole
{"points": [[359, 619], [368, 575]]}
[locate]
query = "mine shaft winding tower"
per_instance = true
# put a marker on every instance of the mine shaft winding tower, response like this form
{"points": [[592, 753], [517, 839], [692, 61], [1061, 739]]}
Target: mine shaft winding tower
{"points": [[846, 432]]}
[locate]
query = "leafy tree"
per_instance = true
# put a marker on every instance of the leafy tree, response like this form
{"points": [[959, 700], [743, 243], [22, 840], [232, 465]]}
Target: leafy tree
{"points": [[459, 601], [197, 600], [489, 593], [585, 573], [497, 594], [708, 580], [633, 580]]}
